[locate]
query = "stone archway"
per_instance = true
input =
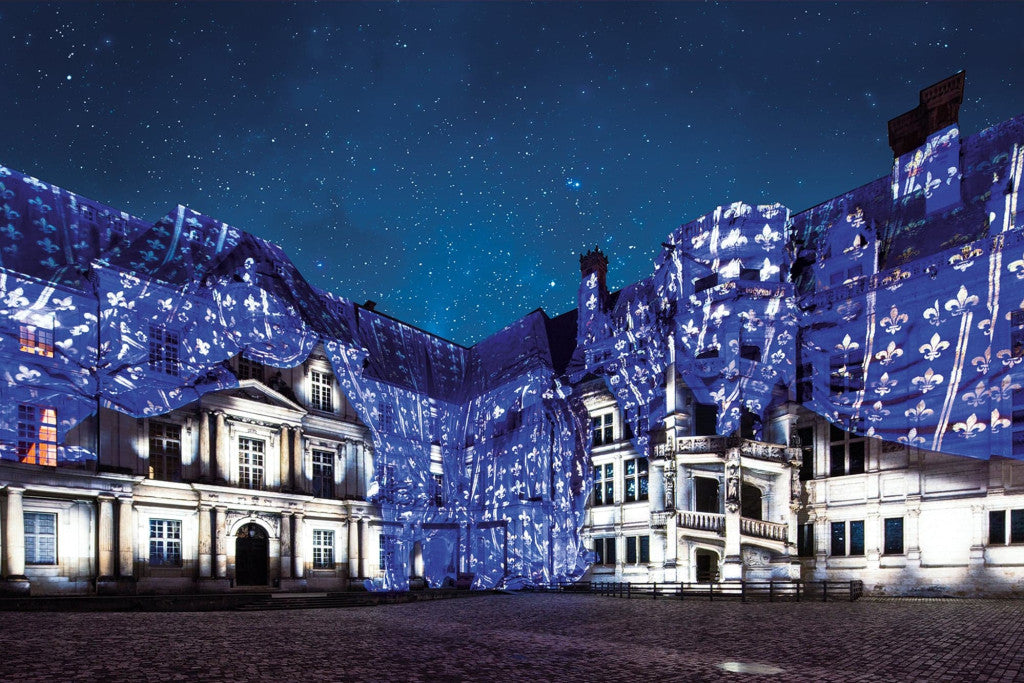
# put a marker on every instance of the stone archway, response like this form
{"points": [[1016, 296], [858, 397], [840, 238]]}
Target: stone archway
{"points": [[706, 565], [252, 556], [750, 502]]}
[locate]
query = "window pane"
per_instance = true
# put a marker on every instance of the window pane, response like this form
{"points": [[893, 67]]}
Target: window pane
{"points": [[856, 457], [837, 461], [630, 490], [630, 467], [856, 538], [645, 549], [609, 496], [838, 538], [631, 550], [997, 526], [1016, 526], [894, 536], [805, 540], [599, 549], [609, 471], [610, 551]]}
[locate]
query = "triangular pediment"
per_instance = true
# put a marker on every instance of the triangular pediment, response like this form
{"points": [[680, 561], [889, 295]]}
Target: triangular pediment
{"points": [[257, 392]]}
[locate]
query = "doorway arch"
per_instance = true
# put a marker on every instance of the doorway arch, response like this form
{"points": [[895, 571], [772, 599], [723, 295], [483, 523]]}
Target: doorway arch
{"points": [[706, 565], [252, 556], [750, 502]]}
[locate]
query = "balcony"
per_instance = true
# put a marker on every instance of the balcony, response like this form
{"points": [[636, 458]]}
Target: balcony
{"points": [[702, 521], [757, 528], [717, 445]]}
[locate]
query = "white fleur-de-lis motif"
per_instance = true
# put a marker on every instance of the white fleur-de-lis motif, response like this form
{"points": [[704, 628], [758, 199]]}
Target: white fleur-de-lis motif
{"points": [[591, 302], [962, 303], [847, 345], [998, 422], [934, 348], [700, 239], [931, 314], [889, 354], [1017, 268], [26, 374], [767, 237], [202, 347], [735, 238], [856, 219], [919, 412], [1009, 358], [689, 328], [592, 281], [928, 381], [737, 209], [893, 322], [884, 384], [981, 363], [1005, 389], [975, 397], [911, 439], [970, 427], [877, 412]]}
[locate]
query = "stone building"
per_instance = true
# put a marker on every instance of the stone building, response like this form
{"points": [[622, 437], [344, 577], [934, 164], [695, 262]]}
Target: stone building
{"points": [[834, 393]]}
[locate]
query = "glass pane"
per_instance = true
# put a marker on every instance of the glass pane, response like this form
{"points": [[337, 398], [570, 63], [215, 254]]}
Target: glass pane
{"points": [[643, 465], [894, 536], [837, 461], [630, 490], [643, 488], [609, 494], [856, 538], [835, 433], [1016, 526], [856, 457], [645, 548], [609, 471], [610, 551], [997, 527], [630, 467], [631, 550], [838, 538]]}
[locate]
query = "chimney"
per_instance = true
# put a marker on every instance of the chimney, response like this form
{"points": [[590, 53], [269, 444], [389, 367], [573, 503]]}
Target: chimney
{"points": [[595, 262], [939, 107]]}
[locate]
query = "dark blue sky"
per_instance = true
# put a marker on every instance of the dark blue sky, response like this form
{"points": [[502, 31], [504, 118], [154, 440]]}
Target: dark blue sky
{"points": [[452, 160]]}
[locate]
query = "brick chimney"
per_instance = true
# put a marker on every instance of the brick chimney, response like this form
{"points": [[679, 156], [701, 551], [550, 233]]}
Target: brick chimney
{"points": [[939, 107]]}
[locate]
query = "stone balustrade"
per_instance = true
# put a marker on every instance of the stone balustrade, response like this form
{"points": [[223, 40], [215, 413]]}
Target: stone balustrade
{"points": [[758, 528], [702, 521]]}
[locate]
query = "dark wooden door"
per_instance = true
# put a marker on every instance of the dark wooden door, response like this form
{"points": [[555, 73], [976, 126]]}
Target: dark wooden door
{"points": [[251, 560]]}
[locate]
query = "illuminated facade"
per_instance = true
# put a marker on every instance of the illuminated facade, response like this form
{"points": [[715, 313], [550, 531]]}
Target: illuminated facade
{"points": [[828, 394]]}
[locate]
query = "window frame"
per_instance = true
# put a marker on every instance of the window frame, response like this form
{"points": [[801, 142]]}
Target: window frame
{"points": [[602, 546], [252, 475], [321, 391], [639, 478], [889, 546], [847, 444], [847, 539], [323, 549], [602, 429], [1009, 519], [36, 340], [170, 465], [37, 435], [322, 470], [638, 550], [604, 484], [165, 542], [164, 350], [34, 554]]}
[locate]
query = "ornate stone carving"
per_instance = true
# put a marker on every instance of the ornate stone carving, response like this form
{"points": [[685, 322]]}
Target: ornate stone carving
{"points": [[756, 557]]}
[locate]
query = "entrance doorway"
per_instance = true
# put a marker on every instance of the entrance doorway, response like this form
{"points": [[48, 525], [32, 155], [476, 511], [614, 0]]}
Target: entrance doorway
{"points": [[707, 566], [251, 556]]}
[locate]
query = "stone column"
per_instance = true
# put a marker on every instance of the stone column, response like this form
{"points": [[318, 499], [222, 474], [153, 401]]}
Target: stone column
{"points": [[913, 540], [286, 545], [221, 542], [204, 445], [222, 448], [205, 542], [286, 460], [299, 464], [364, 546], [106, 541], [353, 548], [297, 545], [14, 535], [979, 523], [125, 538]]}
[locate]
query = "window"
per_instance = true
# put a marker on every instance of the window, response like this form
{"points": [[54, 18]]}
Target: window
{"points": [[604, 484], [997, 527], [636, 479], [386, 411], [40, 538], [704, 283], [250, 463], [638, 549], [320, 391], [163, 350], [806, 436], [750, 352], [438, 492], [893, 536], [1017, 351], [805, 540], [165, 543], [848, 538], [36, 339], [323, 474], [705, 419], [602, 430], [846, 372], [37, 435], [387, 552], [709, 352], [752, 274], [804, 382], [164, 451], [323, 549], [846, 453], [605, 549], [249, 369]]}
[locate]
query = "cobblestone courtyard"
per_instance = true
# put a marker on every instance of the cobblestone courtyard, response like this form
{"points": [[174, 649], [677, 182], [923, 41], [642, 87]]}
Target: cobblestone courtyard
{"points": [[530, 637]]}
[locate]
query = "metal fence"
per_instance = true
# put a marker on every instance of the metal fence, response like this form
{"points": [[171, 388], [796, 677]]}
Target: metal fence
{"points": [[743, 591]]}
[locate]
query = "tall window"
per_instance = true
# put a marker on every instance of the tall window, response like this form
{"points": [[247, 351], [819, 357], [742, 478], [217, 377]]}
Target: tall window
{"points": [[40, 538], [437, 483], [605, 549], [997, 527], [805, 540], [806, 436], [36, 339], [604, 484], [846, 372], [249, 369], [602, 429], [320, 391], [638, 549], [164, 451], [636, 479], [386, 411], [163, 350], [893, 536], [37, 434], [250, 463], [387, 551], [848, 538], [323, 474], [846, 453], [323, 549], [165, 543]]}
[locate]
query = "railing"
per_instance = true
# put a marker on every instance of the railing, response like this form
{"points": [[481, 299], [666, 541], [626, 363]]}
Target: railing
{"points": [[702, 521], [771, 591], [760, 529], [717, 445]]}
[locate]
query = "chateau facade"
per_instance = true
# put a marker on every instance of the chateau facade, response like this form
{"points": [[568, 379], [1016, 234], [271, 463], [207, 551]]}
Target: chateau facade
{"points": [[833, 394]]}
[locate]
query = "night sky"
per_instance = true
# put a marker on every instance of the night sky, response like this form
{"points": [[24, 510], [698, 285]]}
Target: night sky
{"points": [[452, 160]]}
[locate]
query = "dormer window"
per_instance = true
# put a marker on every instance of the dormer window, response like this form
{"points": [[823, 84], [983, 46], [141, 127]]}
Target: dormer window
{"points": [[249, 369], [164, 347], [321, 391], [36, 339]]}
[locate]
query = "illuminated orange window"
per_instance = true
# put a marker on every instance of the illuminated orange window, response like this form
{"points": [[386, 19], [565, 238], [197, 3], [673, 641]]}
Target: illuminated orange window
{"points": [[37, 435], [37, 340]]}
